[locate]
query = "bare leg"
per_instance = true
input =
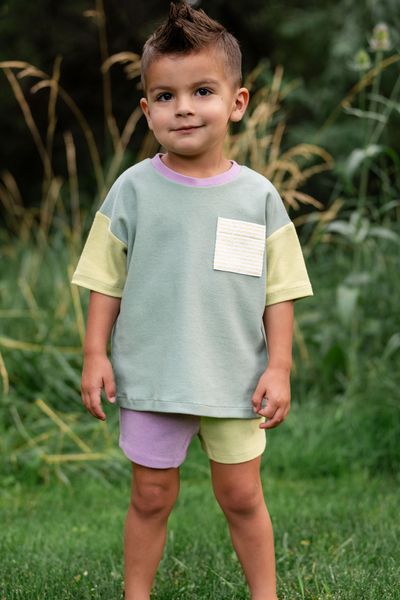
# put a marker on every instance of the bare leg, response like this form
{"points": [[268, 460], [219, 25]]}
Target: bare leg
{"points": [[154, 492], [238, 490]]}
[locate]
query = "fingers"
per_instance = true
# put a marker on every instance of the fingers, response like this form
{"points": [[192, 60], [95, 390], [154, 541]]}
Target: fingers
{"points": [[92, 401], [258, 397], [274, 414], [274, 421], [97, 374]]}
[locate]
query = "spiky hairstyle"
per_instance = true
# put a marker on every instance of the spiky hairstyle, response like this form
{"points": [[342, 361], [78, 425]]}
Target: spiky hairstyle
{"points": [[188, 30]]}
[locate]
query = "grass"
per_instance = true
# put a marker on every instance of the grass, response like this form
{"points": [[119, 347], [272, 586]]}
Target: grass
{"points": [[336, 538], [330, 472]]}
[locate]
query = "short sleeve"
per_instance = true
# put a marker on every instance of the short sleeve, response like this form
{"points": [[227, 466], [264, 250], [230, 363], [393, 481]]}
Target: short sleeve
{"points": [[287, 277], [102, 266]]}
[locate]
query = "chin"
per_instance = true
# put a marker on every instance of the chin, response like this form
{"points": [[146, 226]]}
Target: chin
{"points": [[186, 151]]}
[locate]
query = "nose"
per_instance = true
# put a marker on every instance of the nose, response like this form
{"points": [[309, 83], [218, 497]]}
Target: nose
{"points": [[183, 107]]}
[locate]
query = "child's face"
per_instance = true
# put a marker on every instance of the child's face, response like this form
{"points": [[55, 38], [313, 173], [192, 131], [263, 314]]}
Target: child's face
{"points": [[190, 100]]}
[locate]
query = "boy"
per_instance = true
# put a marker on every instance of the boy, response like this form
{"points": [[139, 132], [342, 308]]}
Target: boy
{"points": [[193, 264]]}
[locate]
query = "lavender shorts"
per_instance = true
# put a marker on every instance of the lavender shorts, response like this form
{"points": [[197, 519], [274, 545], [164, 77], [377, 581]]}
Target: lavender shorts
{"points": [[161, 440]]}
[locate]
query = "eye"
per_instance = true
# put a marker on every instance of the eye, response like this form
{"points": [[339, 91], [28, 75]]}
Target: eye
{"points": [[164, 97], [203, 92]]}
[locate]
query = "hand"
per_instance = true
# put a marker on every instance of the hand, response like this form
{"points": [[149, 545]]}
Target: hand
{"points": [[274, 386], [97, 372]]}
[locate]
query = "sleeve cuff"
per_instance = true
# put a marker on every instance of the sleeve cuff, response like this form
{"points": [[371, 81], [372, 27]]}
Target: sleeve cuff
{"points": [[295, 293], [96, 286]]}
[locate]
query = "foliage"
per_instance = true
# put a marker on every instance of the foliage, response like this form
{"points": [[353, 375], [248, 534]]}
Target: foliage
{"points": [[258, 143], [331, 470], [313, 42], [347, 338]]}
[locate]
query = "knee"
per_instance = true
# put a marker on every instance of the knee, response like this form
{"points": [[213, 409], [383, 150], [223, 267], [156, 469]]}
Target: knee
{"points": [[239, 500], [153, 500]]}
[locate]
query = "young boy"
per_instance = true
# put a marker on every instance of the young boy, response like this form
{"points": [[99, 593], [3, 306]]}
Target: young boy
{"points": [[193, 264]]}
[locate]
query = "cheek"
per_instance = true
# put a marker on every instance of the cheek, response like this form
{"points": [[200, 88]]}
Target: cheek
{"points": [[220, 119], [159, 118], [219, 110]]}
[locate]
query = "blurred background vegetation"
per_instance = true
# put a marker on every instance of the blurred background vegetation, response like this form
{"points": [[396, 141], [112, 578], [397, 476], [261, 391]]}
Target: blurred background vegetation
{"points": [[318, 44], [323, 125]]}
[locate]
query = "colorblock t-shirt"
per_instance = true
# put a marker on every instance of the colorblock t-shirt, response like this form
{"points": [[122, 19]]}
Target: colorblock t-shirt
{"points": [[195, 262]]}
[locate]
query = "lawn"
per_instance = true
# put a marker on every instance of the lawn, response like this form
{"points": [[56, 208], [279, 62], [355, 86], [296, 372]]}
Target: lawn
{"points": [[335, 537]]}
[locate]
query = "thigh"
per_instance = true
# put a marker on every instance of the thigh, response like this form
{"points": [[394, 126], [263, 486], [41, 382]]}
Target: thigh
{"points": [[156, 440], [232, 441]]}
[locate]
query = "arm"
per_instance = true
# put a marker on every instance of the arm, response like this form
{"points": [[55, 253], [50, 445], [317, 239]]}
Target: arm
{"points": [[97, 370], [274, 383]]}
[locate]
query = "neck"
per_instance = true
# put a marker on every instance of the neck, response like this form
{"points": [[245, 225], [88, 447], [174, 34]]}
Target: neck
{"points": [[199, 167]]}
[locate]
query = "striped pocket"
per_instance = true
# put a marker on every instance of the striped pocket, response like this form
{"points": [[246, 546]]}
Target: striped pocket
{"points": [[239, 247]]}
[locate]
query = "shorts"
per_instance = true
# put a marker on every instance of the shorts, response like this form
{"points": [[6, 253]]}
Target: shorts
{"points": [[161, 440]]}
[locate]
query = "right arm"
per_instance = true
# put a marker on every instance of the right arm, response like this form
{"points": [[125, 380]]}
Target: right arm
{"points": [[97, 369]]}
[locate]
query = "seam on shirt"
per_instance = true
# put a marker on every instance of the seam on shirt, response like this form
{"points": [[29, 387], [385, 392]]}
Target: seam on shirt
{"points": [[173, 402], [126, 397], [109, 229], [281, 230]]}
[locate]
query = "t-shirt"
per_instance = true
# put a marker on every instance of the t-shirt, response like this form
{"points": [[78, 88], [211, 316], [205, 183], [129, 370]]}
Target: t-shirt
{"points": [[195, 262]]}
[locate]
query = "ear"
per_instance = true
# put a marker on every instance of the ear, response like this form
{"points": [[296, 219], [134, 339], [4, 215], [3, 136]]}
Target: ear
{"points": [[144, 105], [240, 104]]}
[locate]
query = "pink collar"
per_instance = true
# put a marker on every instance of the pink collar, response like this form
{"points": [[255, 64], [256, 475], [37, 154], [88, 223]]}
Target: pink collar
{"points": [[219, 179]]}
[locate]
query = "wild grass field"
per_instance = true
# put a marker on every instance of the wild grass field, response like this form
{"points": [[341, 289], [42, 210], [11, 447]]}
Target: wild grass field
{"points": [[335, 536], [330, 472]]}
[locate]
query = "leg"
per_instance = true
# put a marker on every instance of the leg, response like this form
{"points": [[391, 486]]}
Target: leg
{"points": [[154, 492], [238, 490]]}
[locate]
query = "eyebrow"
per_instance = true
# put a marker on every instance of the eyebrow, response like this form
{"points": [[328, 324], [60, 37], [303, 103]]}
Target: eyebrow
{"points": [[202, 82]]}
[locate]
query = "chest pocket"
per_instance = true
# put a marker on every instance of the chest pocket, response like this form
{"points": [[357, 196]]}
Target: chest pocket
{"points": [[239, 247]]}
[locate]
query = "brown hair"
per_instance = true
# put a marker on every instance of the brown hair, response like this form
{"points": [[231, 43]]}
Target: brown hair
{"points": [[188, 30]]}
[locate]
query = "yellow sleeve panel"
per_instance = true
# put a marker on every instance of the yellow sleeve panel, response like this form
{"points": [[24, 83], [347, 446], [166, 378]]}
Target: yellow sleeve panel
{"points": [[287, 277], [102, 264]]}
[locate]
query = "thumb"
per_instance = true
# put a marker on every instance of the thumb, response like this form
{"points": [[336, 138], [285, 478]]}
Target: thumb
{"points": [[110, 387]]}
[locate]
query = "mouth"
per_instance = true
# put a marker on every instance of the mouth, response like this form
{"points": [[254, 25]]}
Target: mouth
{"points": [[187, 128]]}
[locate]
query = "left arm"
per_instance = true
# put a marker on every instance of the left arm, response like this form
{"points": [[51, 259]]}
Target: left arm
{"points": [[274, 383]]}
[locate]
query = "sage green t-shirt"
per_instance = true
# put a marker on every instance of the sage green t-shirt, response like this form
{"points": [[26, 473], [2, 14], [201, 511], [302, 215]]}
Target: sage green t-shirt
{"points": [[195, 262]]}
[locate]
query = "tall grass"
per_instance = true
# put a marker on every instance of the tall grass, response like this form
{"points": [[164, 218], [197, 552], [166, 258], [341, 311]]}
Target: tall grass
{"points": [[42, 336], [347, 337]]}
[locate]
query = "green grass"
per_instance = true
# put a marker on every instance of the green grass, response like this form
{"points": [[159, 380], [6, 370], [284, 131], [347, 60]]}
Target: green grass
{"points": [[336, 538], [330, 471]]}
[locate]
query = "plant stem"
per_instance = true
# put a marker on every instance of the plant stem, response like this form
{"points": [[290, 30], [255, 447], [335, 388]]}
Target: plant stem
{"points": [[363, 188]]}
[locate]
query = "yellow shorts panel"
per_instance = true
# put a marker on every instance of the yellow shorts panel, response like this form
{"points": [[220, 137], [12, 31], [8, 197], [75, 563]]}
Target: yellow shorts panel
{"points": [[232, 440]]}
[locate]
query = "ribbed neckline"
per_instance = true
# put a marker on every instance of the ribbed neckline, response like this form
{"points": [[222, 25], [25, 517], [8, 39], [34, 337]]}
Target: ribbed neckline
{"points": [[219, 179]]}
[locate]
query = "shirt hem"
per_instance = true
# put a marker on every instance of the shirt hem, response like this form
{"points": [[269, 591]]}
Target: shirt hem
{"points": [[187, 408]]}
